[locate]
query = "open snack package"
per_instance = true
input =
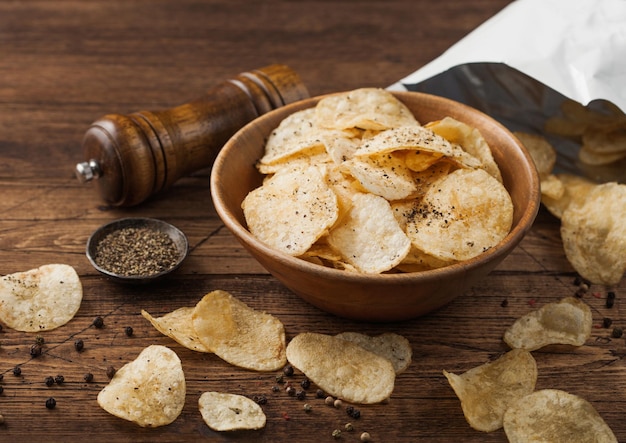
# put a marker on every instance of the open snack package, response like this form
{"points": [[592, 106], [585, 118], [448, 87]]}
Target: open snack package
{"points": [[553, 74]]}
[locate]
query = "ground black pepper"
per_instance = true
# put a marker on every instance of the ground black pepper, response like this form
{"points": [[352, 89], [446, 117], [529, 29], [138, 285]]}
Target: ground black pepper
{"points": [[136, 251]]}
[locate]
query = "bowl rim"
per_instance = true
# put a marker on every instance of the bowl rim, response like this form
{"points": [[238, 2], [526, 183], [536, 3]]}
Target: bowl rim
{"points": [[500, 250], [177, 236]]}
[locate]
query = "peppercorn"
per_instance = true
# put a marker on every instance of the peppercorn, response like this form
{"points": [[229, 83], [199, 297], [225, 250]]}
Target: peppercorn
{"points": [[617, 332], [337, 403], [300, 395], [353, 412], [98, 322], [17, 371], [51, 403], [79, 345], [329, 400], [59, 379], [606, 322], [504, 303], [275, 388], [306, 383], [336, 433], [288, 370], [307, 407], [320, 394], [49, 381], [35, 350], [279, 379], [291, 391], [128, 330], [349, 427], [610, 299], [88, 377], [365, 437], [111, 371], [260, 399]]}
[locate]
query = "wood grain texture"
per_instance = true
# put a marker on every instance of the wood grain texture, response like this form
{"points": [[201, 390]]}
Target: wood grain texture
{"points": [[63, 64]]}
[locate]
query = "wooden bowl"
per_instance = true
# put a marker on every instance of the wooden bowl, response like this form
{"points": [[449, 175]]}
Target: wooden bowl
{"points": [[385, 297]]}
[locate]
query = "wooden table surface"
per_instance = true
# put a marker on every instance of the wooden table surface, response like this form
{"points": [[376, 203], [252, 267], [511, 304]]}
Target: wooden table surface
{"points": [[65, 63]]}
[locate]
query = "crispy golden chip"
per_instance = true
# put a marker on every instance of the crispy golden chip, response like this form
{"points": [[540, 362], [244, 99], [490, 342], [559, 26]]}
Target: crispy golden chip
{"points": [[574, 189], [314, 155], [365, 108], [149, 391], [594, 234], [239, 334], [487, 391], [369, 237], [541, 151], [461, 216], [291, 210], [606, 142], [555, 416], [385, 175], [40, 299], [230, 412], [393, 347], [567, 322], [470, 139], [552, 188], [588, 156], [341, 368], [178, 326]]}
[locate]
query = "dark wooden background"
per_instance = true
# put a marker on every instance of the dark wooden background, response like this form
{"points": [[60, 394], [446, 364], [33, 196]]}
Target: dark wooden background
{"points": [[65, 63]]}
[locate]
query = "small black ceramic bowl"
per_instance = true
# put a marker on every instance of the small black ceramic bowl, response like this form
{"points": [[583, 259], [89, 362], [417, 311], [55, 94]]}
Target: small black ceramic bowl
{"points": [[147, 226]]}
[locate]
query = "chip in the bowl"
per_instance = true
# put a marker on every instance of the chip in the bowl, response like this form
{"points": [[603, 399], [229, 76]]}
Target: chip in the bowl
{"points": [[341, 368], [223, 411], [555, 416], [385, 175], [566, 322], [238, 334], [594, 234], [393, 347], [365, 108], [369, 237], [461, 216], [178, 326], [149, 390], [487, 391], [40, 299], [292, 209]]}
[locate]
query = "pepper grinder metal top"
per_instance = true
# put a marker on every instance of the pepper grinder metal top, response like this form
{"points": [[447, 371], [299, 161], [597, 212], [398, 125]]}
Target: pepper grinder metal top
{"points": [[132, 157]]}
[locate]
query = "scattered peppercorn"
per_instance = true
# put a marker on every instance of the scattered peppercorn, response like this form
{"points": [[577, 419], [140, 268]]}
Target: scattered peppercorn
{"points": [[291, 391], [306, 383], [336, 433], [307, 407], [300, 395], [504, 303], [260, 399], [111, 371], [98, 322], [88, 377], [337, 403], [51, 403], [607, 322], [329, 400], [366, 437], [49, 381], [349, 427], [279, 379], [288, 370], [17, 371], [617, 333], [353, 412], [79, 345], [59, 379], [35, 350], [128, 330], [320, 394], [610, 299], [39, 340]]}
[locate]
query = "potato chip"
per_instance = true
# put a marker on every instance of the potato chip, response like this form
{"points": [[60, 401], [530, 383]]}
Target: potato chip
{"points": [[149, 391], [239, 334], [393, 347], [365, 108], [369, 237], [574, 189], [552, 188], [487, 391], [40, 299], [312, 156], [385, 175], [594, 234], [606, 142], [230, 412], [555, 416], [589, 157], [461, 216], [291, 210], [178, 326], [470, 139], [567, 322], [341, 368]]}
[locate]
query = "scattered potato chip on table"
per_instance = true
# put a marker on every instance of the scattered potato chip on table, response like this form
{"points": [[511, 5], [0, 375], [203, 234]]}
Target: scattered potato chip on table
{"points": [[178, 325], [393, 347], [149, 391], [223, 411]]}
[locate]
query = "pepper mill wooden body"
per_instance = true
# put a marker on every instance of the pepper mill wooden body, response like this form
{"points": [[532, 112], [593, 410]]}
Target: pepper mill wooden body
{"points": [[132, 157]]}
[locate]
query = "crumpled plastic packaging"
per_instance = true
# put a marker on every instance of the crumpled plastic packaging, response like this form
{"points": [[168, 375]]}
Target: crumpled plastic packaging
{"points": [[521, 65]]}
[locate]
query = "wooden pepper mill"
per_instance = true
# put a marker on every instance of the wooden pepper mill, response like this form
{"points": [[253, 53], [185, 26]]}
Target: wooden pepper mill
{"points": [[131, 157]]}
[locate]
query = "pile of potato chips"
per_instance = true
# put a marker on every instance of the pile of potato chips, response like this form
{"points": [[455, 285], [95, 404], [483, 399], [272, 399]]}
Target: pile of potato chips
{"points": [[592, 216], [357, 183], [501, 393]]}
